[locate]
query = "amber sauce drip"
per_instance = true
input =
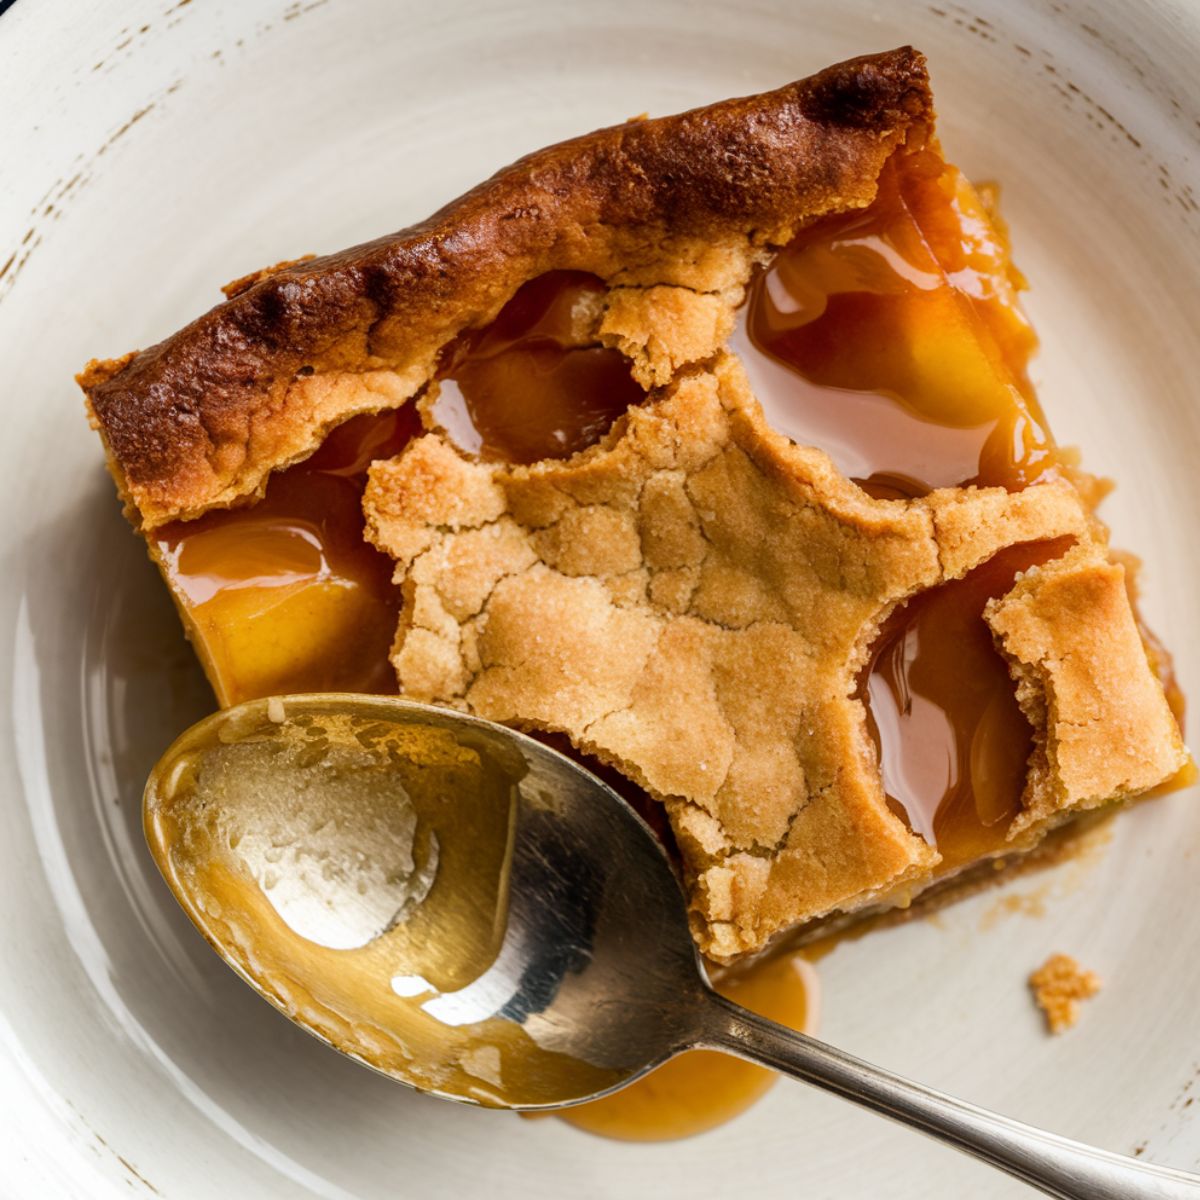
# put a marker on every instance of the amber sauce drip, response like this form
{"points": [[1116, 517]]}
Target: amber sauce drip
{"points": [[953, 744], [891, 339], [698, 1091]]}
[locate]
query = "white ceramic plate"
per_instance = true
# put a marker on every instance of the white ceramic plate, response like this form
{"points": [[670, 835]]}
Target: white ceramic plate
{"points": [[152, 149]]}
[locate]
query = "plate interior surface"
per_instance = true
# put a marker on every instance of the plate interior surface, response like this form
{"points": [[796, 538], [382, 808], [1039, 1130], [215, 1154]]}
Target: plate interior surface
{"points": [[155, 149]]}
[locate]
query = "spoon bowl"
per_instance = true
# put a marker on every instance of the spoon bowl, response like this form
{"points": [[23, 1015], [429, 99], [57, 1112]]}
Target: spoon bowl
{"points": [[448, 901], [471, 913]]}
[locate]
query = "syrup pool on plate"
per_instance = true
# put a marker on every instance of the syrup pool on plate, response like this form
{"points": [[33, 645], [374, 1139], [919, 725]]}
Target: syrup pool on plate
{"points": [[703, 1089]]}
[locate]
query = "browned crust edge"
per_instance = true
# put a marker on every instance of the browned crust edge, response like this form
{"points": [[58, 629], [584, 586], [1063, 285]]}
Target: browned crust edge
{"points": [[1062, 844], [199, 420]]}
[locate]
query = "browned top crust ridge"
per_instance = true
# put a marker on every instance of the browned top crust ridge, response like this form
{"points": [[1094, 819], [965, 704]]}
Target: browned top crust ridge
{"points": [[200, 420]]}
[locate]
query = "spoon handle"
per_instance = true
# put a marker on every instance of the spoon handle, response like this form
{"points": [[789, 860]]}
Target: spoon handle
{"points": [[1055, 1165]]}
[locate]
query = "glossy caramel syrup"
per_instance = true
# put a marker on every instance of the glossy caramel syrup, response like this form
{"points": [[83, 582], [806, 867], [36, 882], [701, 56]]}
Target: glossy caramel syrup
{"points": [[533, 385], [891, 338], [953, 744], [286, 596]]}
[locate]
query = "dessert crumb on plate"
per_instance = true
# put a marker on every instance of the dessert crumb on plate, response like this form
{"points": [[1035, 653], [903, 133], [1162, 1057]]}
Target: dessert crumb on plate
{"points": [[1059, 986]]}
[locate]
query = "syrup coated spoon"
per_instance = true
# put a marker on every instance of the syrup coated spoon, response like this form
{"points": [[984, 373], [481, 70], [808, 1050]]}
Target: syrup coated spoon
{"points": [[473, 914]]}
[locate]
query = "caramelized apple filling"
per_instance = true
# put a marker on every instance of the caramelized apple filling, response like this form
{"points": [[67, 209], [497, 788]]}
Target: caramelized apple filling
{"points": [[891, 338], [287, 596], [953, 744], [533, 384]]}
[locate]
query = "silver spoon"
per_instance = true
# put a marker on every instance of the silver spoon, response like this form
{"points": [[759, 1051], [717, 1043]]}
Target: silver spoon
{"points": [[473, 914]]}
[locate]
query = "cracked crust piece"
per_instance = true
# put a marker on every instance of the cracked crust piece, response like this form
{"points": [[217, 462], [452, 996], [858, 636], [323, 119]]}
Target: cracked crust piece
{"points": [[1073, 647], [200, 420], [691, 601]]}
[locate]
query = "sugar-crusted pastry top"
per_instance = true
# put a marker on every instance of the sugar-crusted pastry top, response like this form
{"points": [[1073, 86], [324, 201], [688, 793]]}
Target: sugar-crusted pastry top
{"points": [[1101, 723]]}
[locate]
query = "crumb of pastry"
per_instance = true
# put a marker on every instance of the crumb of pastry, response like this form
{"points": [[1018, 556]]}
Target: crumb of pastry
{"points": [[1059, 986]]}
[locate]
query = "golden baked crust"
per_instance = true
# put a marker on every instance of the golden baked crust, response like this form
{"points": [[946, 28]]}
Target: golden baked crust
{"points": [[692, 601], [1069, 634], [200, 420]]}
